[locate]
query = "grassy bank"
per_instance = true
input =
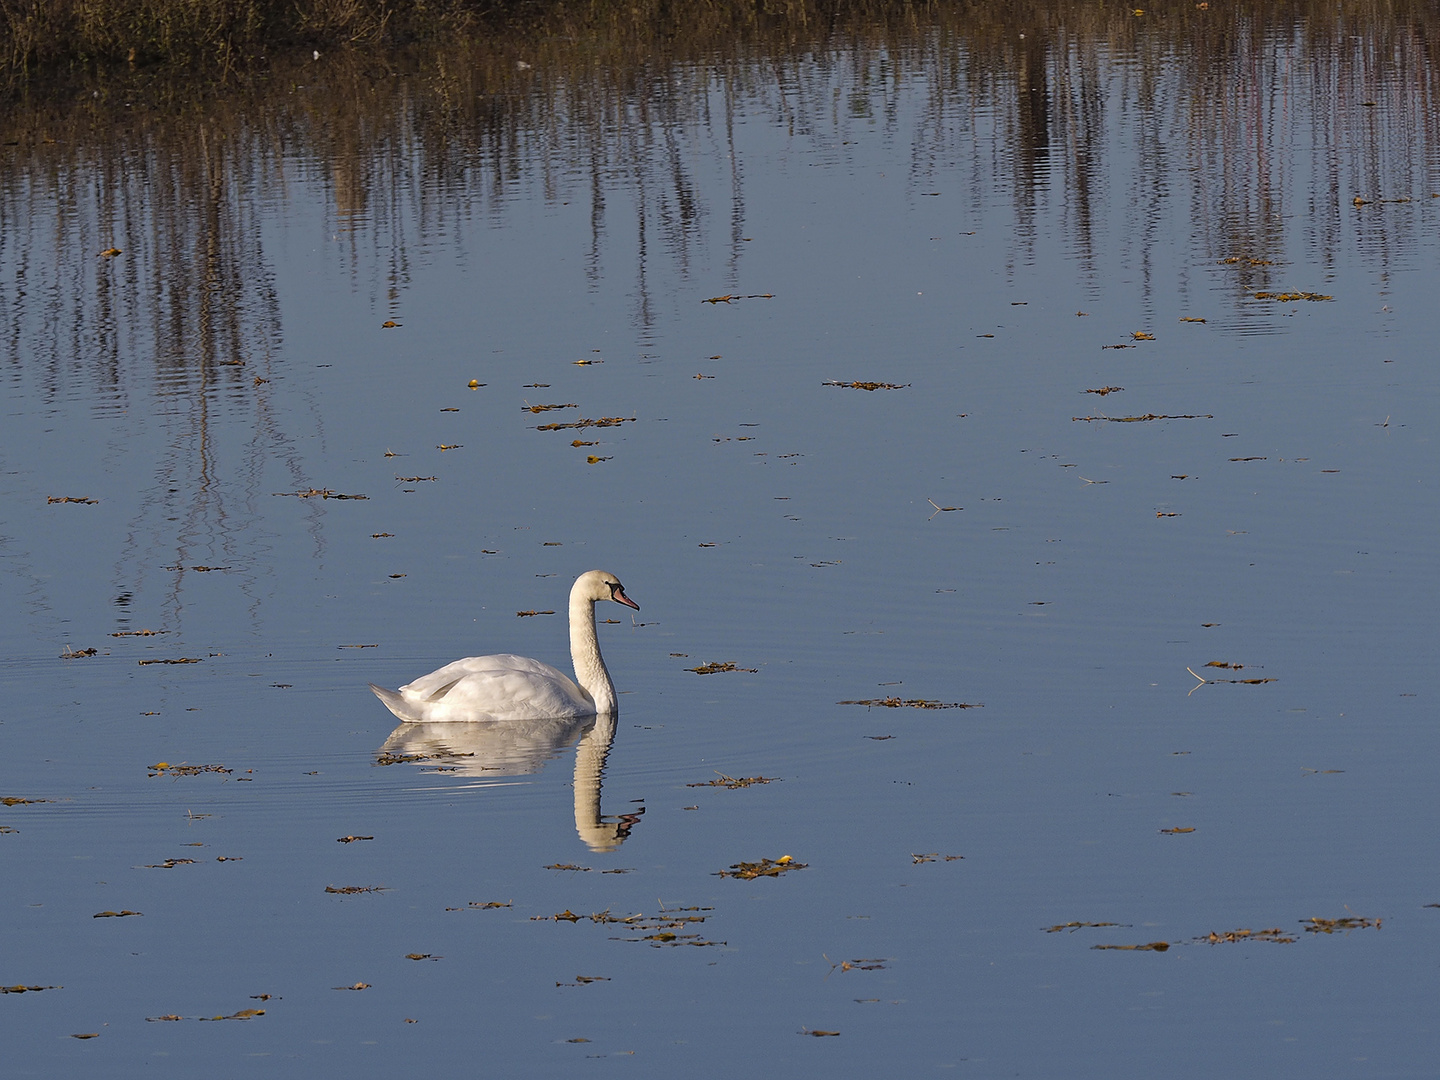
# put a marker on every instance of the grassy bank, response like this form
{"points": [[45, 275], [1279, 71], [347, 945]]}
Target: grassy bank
{"points": [[38, 35]]}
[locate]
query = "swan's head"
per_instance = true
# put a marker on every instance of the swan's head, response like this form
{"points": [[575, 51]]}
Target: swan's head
{"points": [[600, 585]]}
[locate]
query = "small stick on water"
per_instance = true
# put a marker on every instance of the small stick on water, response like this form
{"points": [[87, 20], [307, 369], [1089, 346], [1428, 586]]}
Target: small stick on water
{"points": [[941, 509]]}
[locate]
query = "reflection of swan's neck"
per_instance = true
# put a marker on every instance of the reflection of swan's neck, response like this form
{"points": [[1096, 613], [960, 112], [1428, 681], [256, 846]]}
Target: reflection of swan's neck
{"points": [[590, 756], [590, 670]]}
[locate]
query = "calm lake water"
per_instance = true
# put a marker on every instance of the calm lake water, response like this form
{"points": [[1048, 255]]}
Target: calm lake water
{"points": [[1140, 466]]}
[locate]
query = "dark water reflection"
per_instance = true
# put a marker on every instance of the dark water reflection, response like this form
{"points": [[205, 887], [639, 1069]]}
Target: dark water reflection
{"points": [[1001, 210]]}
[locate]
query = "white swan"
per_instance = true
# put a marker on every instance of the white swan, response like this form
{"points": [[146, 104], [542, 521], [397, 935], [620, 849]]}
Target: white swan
{"points": [[508, 687]]}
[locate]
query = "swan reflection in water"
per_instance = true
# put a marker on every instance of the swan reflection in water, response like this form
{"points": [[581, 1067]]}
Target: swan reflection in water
{"points": [[521, 747]]}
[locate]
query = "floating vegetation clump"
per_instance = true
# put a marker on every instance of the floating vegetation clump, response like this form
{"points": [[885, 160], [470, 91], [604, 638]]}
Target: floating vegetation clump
{"points": [[351, 839], [1178, 830], [177, 660], [319, 493], [715, 668], [1103, 390], [1145, 417], [71, 499], [604, 421], [1286, 297], [749, 871], [666, 928], [1214, 682], [402, 759], [910, 703], [351, 890], [1317, 925], [165, 768], [547, 408], [733, 781], [115, 914], [931, 856], [488, 905], [15, 800], [75, 654], [1274, 934], [730, 298], [1073, 926], [525, 614], [866, 385], [1154, 946], [20, 989]]}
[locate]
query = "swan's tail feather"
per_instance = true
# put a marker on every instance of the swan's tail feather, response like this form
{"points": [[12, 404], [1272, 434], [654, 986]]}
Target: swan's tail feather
{"points": [[395, 703]]}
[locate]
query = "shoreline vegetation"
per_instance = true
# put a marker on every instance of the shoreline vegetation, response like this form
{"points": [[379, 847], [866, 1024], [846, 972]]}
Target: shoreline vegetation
{"points": [[57, 42]]}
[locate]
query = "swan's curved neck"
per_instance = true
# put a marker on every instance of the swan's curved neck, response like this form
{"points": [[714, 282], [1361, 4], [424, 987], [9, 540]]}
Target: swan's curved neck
{"points": [[590, 671]]}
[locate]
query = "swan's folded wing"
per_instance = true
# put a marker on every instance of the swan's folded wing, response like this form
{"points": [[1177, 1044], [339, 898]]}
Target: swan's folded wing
{"points": [[497, 687]]}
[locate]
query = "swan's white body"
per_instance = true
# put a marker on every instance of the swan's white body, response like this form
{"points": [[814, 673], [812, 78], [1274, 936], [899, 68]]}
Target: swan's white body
{"points": [[509, 687]]}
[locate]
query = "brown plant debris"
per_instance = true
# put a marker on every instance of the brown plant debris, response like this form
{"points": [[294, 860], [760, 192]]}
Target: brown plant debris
{"points": [[1274, 934], [523, 614], [874, 963], [866, 385], [1215, 682], [1140, 335], [604, 421], [138, 633], [414, 480], [1145, 417], [1287, 297], [1103, 390], [1225, 664], [164, 767], [1248, 459], [1317, 925], [75, 654], [1073, 926], [1154, 946], [476, 905], [168, 864], [719, 666], [910, 703], [749, 871], [734, 782], [71, 499], [351, 839], [350, 890], [401, 759], [1236, 259], [319, 493], [243, 1014], [547, 408], [730, 298], [15, 800], [115, 914], [931, 856], [27, 989], [422, 956], [817, 1032], [87, 1035], [1178, 830], [1190, 318], [353, 986]]}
